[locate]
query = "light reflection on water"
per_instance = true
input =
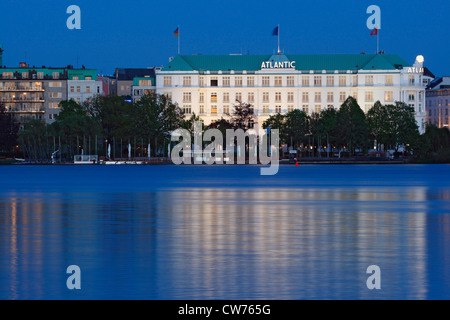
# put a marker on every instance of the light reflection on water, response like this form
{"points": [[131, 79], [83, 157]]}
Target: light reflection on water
{"points": [[227, 243]]}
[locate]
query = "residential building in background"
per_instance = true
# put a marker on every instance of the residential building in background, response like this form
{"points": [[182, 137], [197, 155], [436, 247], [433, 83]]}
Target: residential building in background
{"points": [[125, 78], [210, 86], [36, 92], [143, 86], [438, 98], [83, 85]]}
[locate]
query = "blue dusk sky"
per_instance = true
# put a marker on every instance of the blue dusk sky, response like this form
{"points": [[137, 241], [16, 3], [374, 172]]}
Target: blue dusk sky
{"points": [[140, 33]]}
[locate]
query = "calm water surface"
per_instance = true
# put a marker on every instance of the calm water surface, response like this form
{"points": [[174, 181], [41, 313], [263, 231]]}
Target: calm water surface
{"points": [[225, 232]]}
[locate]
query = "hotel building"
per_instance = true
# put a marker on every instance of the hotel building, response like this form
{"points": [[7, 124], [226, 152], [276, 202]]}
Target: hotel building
{"points": [[209, 86]]}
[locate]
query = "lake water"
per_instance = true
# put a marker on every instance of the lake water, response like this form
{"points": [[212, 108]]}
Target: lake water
{"points": [[225, 232]]}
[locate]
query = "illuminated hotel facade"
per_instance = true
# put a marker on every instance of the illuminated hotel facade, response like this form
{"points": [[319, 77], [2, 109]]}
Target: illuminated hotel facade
{"points": [[209, 86]]}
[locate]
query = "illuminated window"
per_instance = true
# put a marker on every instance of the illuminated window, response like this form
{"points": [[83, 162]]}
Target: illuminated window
{"points": [[214, 97], [389, 80], [389, 96], [369, 96], [330, 81], [305, 81], [238, 81], [305, 97]]}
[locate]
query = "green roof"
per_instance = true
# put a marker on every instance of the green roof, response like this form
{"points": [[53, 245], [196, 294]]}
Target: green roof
{"points": [[82, 74], [331, 62]]}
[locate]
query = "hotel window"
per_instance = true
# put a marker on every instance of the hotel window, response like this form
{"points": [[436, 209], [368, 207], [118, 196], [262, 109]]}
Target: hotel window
{"points": [[411, 80], [53, 105], [330, 81], [278, 81], [266, 81], [213, 97], [239, 96], [24, 75], [355, 95], [78, 89], [50, 116], [226, 109], [238, 81], [214, 82], [186, 81], [251, 97], [277, 96], [201, 97], [317, 97], [73, 78], [412, 96], [369, 96], [342, 96], [226, 97], [389, 80], [317, 108], [250, 81], [290, 108], [265, 97], [317, 81], [342, 81], [10, 75], [305, 81], [88, 89], [290, 97], [187, 97], [355, 81], [40, 75], [202, 109], [305, 97], [265, 109], [226, 81], [369, 80], [330, 97], [290, 81], [389, 96], [187, 109], [214, 109], [305, 108], [88, 78], [72, 89], [55, 75], [202, 81], [277, 109]]}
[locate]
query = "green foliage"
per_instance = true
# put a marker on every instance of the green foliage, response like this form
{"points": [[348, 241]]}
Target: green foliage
{"points": [[434, 145], [351, 126], [9, 128], [243, 116]]}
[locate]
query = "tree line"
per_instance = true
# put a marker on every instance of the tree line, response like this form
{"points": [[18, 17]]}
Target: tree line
{"points": [[104, 121]]}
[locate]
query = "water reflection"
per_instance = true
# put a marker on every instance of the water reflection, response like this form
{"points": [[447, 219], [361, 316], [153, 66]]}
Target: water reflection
{"points": [[226, 243]]}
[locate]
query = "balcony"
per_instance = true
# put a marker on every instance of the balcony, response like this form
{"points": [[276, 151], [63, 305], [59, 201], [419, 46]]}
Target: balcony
{"points": [[22, 99], [21, 88]]}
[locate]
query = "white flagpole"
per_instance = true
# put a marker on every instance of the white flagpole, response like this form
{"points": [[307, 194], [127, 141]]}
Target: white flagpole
{"points": [[179, 40], [378, 41], [279, 39]]}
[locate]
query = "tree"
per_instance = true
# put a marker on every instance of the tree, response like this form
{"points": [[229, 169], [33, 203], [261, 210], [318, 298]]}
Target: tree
{"points": [[434, 145], [378, 120], [352, 129], [154, 118], [243, 116], [9, 128], [296, 127], [404, 130], [113, 115], [74, 121]]}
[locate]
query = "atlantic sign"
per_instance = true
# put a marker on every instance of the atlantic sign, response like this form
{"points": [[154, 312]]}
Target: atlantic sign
{"points": [[278, 65]]}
